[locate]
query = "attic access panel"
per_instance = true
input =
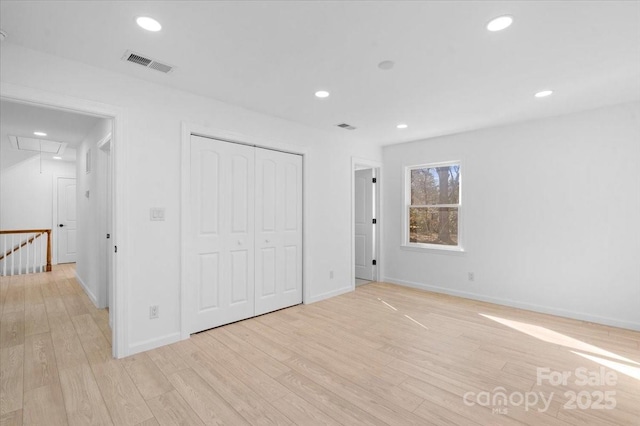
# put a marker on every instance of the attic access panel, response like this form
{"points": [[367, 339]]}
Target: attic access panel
{"points": [[37, 145]]}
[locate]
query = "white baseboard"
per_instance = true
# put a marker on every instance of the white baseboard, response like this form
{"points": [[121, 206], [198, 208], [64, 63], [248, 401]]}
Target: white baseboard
{"points": [[614, 322], [92, 296], [328, 294], [154, 343]]}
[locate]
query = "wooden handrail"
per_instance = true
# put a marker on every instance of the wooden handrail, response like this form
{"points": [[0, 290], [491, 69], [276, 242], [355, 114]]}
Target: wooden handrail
{"points": [[38, 233], [24, 231]]}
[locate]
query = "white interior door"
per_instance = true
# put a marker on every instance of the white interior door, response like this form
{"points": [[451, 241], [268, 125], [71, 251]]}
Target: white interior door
{"points": [[220, 252], [363, 225], [66, 220], [106, 281], [278, 230]]}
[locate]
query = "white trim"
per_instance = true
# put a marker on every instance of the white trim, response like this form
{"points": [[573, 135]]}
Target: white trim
{"points": [[92, 296], [406, 205], [156, 342], [54, 215], [434, 248], [103, 141], [359, 164], [614, 322], [329, 294], [189, 129], [120, 331], [103, 159]]}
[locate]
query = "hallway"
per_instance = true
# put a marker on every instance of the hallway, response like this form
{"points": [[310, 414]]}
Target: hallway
{"points": [[47, 320]]}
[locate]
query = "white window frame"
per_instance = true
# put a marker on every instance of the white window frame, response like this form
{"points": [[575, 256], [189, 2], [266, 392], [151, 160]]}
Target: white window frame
{"points": [[406, 244]]}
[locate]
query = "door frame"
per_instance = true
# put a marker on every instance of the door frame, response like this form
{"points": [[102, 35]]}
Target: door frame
{"points": [[40, 97], [104, 165], [191, 129], [357, 164], [54, 216]]}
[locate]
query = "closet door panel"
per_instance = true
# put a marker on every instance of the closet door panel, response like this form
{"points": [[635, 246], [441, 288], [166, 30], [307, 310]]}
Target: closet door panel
{"points": [[208, 281], [278, 230], [220, 249]]}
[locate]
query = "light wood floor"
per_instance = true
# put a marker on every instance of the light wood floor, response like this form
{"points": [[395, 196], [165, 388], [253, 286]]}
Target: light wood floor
{"points": [[380, 355]]}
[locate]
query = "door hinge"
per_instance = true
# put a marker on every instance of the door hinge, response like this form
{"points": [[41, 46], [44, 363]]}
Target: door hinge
{"points": [[374, 180], [374, 262], [108, 236], [375, 221], [115, 248]]}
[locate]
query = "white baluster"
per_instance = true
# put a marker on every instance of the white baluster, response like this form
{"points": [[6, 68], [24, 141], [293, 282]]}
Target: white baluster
{"points": [[43, 256], [12, 256], [40, 254], [26, 269], [35, 255], [20, 255]]}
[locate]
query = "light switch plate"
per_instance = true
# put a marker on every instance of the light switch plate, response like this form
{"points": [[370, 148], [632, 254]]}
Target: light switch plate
{"points": [[157, 213]]}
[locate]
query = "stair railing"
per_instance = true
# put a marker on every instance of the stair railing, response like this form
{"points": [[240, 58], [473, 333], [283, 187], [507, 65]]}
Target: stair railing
{"points": [[22, 251]]}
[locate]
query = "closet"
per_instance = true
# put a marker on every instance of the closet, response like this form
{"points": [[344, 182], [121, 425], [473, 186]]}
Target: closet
{"points": [[243, 253]]}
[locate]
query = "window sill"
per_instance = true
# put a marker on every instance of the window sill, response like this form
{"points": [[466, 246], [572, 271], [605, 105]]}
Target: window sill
{"points": [[434, 249]]}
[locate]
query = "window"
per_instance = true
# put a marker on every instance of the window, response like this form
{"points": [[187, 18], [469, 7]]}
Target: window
{"points": [[432, 203]]}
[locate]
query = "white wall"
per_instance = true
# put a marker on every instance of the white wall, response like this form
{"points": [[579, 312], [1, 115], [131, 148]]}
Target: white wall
{"points": [[152, 126], [551, 212], [26, 194], [90, 260]]}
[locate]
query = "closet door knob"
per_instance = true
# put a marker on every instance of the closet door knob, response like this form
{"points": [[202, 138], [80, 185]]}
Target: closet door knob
{"points": [[267, 241]]}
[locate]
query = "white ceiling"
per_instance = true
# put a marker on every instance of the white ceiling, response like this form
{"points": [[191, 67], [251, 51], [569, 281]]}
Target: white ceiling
{"points": [[451, 74], [20, 119]]}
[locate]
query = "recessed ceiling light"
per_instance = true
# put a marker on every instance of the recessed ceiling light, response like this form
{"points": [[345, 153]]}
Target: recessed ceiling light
{"points": [[402, 126], [57, 158], [149, 24], [322, 94], [40, 133], [386, 65], [500, 23], [544, 93]]}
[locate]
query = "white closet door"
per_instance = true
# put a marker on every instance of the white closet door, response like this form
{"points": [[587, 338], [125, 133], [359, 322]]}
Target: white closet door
{"points": [[278, 230], [220, 252]]}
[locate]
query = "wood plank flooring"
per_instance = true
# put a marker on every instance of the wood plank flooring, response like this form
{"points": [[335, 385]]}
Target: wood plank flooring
{"points": [[382, 355]]}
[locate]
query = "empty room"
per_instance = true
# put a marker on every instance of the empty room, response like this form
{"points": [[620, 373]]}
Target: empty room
{"points": [[319, 213]]}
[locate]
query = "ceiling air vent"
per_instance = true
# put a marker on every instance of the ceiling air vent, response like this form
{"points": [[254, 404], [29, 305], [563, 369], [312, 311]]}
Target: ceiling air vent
{"points": [[346, 126], [136, 58]]}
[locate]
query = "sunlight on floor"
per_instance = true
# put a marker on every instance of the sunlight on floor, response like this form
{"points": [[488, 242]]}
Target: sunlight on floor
{"points": [[406, 316], [551, 336], [622, 368], [417, 322], [387, 304]]}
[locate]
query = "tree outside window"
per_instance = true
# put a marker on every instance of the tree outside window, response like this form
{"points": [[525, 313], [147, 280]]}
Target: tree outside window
{"points": [[433, 205]]}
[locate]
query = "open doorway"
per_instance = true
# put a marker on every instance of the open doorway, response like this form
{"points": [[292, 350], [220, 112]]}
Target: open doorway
{"points": [[365, 222], [57, 176]]}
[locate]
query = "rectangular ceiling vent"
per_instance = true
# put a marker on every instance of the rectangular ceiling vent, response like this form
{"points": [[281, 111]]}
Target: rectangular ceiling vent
{"points": [[346, 126], [136, 58]]}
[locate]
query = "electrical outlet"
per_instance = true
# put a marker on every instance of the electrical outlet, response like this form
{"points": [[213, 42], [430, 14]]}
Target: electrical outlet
{"points": [[472, 276], [154, 312], [330, 275]]}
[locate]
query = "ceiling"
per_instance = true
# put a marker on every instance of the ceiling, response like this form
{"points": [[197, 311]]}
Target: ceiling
{"points": [[21, 119], [450, 74]]}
